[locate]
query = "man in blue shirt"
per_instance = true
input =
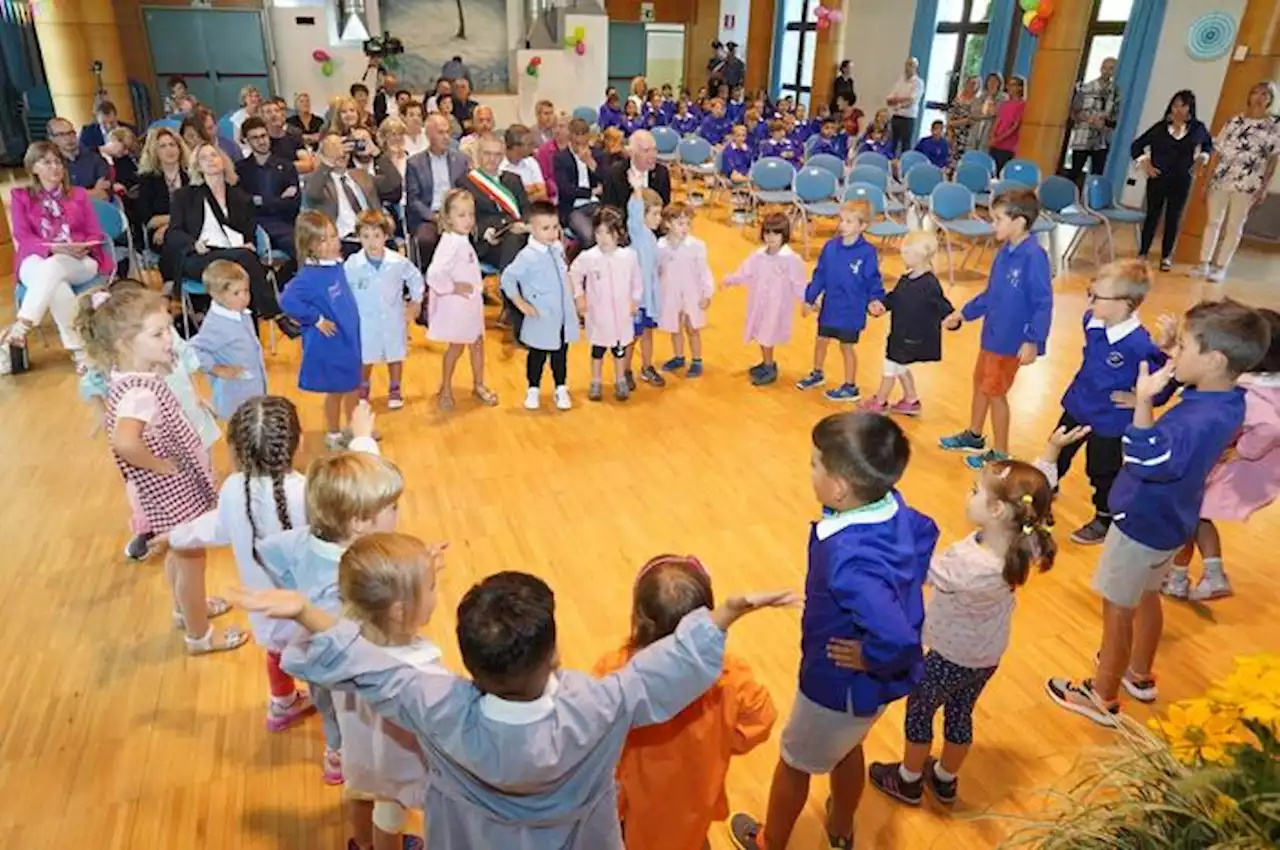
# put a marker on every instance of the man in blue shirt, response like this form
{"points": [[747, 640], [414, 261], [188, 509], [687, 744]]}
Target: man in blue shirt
{"points": [[272, 182], [94, 136], [85, 166]]}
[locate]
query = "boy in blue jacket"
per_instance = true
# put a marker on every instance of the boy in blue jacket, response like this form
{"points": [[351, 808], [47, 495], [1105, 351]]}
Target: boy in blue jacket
{"points": [[1157, 497], [1017, 310], [847, 279], [1100, 395], [868, 558]]}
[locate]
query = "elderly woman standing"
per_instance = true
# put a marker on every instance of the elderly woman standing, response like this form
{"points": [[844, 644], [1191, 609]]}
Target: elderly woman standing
{"points": [[59, 245], [960, 119], [982, 112], [160, 174], [1243, 164]]}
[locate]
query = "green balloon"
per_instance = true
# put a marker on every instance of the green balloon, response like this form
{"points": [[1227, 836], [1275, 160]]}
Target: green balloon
{"points": [[1029, 5]]}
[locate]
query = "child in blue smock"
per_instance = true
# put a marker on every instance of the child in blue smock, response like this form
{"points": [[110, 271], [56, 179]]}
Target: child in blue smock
{"points": [[227, 343], [537, 282], [644, 216], [321, 301], [379, 278]]}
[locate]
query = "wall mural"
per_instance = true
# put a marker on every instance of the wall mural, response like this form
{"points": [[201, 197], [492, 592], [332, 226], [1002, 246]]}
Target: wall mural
{"points": [[434, 31]]}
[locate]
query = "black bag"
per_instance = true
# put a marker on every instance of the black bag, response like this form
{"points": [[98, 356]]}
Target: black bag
{"points": [[14, 360]]}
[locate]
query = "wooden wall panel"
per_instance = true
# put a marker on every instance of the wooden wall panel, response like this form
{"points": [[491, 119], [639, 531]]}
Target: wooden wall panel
{"points": [[760, 44], [1052, 82], [665, 11]]}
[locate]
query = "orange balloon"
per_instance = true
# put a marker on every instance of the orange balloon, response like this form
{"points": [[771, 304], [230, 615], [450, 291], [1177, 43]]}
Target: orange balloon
{"points": [[1046, 9]]}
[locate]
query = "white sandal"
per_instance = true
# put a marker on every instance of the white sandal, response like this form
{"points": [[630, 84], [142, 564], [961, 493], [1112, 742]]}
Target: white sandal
{"points": [[232, 638], [214, 607]]}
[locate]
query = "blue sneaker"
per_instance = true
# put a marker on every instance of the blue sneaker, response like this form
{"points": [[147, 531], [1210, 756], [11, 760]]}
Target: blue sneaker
{"points": [[965, 441], [695, 369], [811, 380], [673, 364], [767, 375], [756, 371], [979, 461], [844, 392]]}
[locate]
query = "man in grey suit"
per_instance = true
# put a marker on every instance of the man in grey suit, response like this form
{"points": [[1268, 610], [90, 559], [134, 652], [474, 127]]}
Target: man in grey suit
{"points": [[428, 177], [340, 192]]}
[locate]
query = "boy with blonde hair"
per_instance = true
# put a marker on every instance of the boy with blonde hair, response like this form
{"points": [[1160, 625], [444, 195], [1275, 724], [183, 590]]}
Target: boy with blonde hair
{"points": [[227, 343]]}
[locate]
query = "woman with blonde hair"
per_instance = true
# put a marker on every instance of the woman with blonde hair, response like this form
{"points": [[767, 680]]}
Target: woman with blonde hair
{"points": [[161, 172], [344, 116], [391, 142]]}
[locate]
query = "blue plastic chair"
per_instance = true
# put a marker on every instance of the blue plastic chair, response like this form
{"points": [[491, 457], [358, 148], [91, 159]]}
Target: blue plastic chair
{"points": [[883, 227], [586, 113], [921, 181], [828, 162], [815, 190], [1060, 203], [879, 179], [974, 178], [1099, 199], [771, 182], [667, 141], [980, 158], [872, 158], [696, 157], [226, 128], [1022, 171], [169, 123], [909, 160], [951, 206]]}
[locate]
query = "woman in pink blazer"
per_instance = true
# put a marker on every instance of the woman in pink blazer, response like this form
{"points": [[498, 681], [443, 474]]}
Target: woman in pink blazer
{"points": [[59, 245]]}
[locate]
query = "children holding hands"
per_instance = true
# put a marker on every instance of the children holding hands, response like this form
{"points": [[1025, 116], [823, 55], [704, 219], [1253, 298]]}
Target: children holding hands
{"points": [[775, 280]]}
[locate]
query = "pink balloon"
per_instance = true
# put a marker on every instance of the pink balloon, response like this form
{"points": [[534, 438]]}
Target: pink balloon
{"points": [[580, 48], [823, 23], [320, 55], [821, 13], [835, 16]]}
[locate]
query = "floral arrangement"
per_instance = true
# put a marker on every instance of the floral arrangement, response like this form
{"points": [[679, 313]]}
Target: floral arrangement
{"points": [[1207, 775]]}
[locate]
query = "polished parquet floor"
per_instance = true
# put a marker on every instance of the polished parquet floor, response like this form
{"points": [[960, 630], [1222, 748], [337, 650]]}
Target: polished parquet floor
{"points": [[111, 737]]}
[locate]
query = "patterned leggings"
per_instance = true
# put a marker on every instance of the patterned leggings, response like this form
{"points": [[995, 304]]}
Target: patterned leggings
{"points": [[950, 685]]}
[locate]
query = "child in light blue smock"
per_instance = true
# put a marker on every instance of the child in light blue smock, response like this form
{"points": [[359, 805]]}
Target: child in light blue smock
{"points": [[644, 215], [227, 344], [379, 278]]}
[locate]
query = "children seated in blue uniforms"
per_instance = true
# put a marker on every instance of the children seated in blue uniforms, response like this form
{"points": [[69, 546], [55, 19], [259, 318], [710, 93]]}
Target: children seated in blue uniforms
{"points": [[778, 144], [935, 146], [610, 110], [830, 141], [655, 113], [1157, 497], [684, 122], [735, 166], [668, 102], [868, 558], [631, 120], [801, 129], [847, 279], [757, 130], [736, 108], [1115, 342], [715, 127]]}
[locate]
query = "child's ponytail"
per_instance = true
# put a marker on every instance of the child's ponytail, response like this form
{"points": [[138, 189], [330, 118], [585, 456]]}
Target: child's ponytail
{"points": [[1029, 499]]}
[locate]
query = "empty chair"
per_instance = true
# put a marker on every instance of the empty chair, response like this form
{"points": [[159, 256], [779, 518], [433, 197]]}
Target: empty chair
{"points": [[921, 181], [696, 157], [872, 158], [1022, 171], [980, 158], [828, 162], [1061, 205], [1099, 199], [771, 182], [815, 190], [667, 140], [586, 113], [975, 178], [951, 206], [882, 226], [909, 160], [870, 174]]}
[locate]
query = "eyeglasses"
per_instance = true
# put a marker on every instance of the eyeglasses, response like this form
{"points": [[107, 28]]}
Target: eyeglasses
{"points": [[257, 137], [1094, 296], [62, 135]]}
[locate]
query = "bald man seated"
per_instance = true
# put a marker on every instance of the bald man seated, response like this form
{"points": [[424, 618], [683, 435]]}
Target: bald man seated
{"points": [[340, 192], [642, 153]]}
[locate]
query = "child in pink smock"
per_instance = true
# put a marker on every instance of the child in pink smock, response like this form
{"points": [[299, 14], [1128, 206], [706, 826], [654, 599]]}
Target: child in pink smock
{"points": [[1246, 480], [775, 279], [686, 287], [455, 307], [607, 288]]}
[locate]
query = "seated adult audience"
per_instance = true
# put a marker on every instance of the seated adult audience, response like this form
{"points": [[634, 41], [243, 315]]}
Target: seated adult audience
{"points": [[85, 166], [58, 244], [643, 159], [482, 124], [520, 162], [415, 134], [340, 192], [160, 174], [366, 156], [344, 116], [545, 130], [428, 178], [613, 149], [304, 120], [578, 184], [464, 108], [177, 91], [250, 105], [386, 103], [456, 69], [546, 153], [444, 86], [94, 136], [394, 157], [212, 219], [286, 142], [501, 203], [272, 184], [360, 94], [444, 106], [200, 127], [121, 153]]}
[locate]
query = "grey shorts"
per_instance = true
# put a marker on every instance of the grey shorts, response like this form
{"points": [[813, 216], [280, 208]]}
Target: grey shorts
{"points": [[1128, 569], [816, 738]]}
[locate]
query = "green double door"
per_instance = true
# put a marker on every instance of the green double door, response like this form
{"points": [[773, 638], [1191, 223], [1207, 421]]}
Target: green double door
{"points": [[217, 51]]}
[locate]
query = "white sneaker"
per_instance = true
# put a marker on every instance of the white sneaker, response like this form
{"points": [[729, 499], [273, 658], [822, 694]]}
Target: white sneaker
{"points": [[532, 399], [563, 402], [1217, 275], [1199, 270], [1213, 585], [1176, 585]]}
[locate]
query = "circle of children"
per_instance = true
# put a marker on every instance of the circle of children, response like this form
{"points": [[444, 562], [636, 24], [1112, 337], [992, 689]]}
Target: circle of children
{"points": [[525, 754]]}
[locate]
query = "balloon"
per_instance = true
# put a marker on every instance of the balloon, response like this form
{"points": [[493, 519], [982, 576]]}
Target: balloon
{"points": [[821, 12], [535, 61], [570, 41], [532, 70], [1029, 5], [835, 16], [1037, 26], [1046, 9], [320, 55], [579, 34], [581, 48], [823, 23], [1028, 18], [326, 67]]}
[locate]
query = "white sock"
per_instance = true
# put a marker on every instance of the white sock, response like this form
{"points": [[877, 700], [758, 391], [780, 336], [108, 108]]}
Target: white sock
{"points": [[942, 773], [282, 703], [908, 775], [1214, 565], [1179, 570]]}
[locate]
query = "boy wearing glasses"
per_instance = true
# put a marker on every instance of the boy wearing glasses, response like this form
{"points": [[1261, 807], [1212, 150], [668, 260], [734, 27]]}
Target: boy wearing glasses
{"points": [[1101, 394]]}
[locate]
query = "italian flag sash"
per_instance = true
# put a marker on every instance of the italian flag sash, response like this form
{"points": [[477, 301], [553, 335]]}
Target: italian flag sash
{"points": [[496, 192]]}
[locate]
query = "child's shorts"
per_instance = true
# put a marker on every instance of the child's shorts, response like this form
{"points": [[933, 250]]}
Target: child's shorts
{"points": [[893, 369], [993, 374], [643, 321], [840, 335], [1128, 569], [388, 815], [816, 738]]}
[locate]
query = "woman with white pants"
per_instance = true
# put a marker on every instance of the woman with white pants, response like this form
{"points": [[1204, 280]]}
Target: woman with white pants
{"points": [[59, 245], [1243, 164]]}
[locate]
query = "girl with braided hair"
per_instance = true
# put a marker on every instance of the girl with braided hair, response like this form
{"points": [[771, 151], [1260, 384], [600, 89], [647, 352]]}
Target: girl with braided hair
{"points": [[264, 496], [966, 625]]}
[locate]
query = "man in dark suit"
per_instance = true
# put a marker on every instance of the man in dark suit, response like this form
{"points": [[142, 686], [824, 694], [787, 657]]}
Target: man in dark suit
{"points": [[384, 102], [339, 192], [428, 177], [643, 151], [577, 178], [272, 183], [94, 136], [501, 203]]}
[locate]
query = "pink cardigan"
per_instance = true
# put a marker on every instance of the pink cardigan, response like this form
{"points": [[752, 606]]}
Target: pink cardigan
{"points": [[83, 221], [1008, 127]]}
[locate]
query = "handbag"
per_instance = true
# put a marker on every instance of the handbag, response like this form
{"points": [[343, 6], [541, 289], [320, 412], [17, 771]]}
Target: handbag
{"points": [[14, 359]]}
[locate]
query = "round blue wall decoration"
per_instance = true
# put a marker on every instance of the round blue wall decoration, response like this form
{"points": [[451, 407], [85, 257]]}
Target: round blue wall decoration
{"points": [[1210, 36]]}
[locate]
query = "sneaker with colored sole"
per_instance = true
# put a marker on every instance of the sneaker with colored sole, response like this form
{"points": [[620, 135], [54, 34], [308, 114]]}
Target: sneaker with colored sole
{"points": [[1081, 698], [745, 832], [887, 779], [1177, 585], [1142, 689], [333, 767], [944, 791], [965, 441], [873, 405], [139, 547], [766, 376], [1091, 533], [1214, 584], [903, 407], [280, 719], [979, 461], [695, 369], [650, 376], [811, 380], [845, 392], [395, 401], [673, 365], [595, 391]]}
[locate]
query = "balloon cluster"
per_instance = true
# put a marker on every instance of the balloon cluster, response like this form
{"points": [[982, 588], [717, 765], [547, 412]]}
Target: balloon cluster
{"points": [[1036, 14], [327, 63], [532, 68], [578, 41], [828, 16]]}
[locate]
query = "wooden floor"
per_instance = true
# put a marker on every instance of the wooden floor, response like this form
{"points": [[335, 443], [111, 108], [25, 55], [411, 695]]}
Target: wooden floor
{"points": [[111, 737]]}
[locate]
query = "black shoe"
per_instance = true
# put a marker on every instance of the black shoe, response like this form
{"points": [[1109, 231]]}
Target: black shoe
{"points": [[139, 547], [888, 780], [288, 327], [1091, 533], [631, 380], [745, 832], [943, 792]]}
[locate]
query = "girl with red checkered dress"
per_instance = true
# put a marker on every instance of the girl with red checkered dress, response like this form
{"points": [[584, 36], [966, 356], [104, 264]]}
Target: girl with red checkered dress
{"points": [[155, 446]]}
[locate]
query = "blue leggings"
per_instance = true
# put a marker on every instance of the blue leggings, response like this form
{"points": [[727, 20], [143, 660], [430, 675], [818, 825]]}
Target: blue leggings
{"points": [[950, 685], [322, 699]]}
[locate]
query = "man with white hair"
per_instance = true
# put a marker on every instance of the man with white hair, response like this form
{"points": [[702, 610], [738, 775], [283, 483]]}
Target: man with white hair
{"points": [[904, 106], [428, 177], [482, 128], [642, 150], [501, 205]]}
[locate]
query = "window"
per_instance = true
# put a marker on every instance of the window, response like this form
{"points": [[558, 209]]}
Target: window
{"points": [[1102, 41], [956, 53], [797, 49]]}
